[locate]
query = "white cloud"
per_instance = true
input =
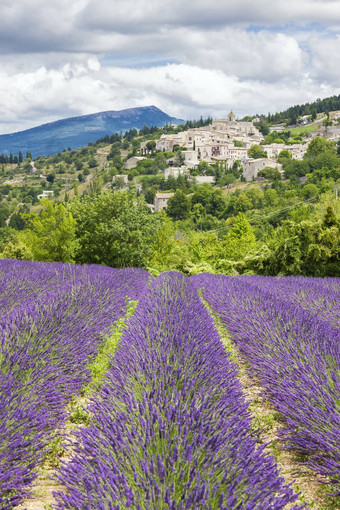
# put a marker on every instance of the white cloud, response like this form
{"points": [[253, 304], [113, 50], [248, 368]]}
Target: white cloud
{"points": [[140, 15], [64, 58], [263, 55], [324, 58], [32, 98], [182, 90]]}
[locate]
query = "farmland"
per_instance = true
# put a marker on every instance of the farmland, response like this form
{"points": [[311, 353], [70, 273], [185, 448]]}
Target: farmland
{"points": [[168, 425]]}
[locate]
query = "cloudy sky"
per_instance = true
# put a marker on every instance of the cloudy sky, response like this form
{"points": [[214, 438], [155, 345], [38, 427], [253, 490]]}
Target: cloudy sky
{"points": [[73, 57]]}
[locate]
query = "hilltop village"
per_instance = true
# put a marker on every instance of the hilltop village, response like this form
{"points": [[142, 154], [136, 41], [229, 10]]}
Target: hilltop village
{"points": [[224, 142], [221, 144], [216, 152]]}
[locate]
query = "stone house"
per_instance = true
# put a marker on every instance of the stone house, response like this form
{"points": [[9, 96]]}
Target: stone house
{"points": [[204, 179], [46, 194], [161, 201], [191, 159], [174, 171], [251, 167], [273, 150]]}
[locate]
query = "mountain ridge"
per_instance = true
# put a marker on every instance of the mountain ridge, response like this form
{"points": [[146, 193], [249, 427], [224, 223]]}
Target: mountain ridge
{"points": [[53, 137]]}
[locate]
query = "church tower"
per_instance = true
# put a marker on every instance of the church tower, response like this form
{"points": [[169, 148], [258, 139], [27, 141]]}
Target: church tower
{"points": [[231, 117]]}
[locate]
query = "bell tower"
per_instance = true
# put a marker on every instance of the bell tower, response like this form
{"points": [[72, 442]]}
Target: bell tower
{"points": [[231, 117]]}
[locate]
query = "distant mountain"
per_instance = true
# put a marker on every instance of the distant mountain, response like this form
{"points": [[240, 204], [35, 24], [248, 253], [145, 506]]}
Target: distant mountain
{"points": [[75, 132]]}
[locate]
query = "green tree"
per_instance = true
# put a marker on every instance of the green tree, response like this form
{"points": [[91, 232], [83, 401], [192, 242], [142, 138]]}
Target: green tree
{"points": [[272, 174], [50, 235], [179, 158], [257, 152], [318, 146], [309, 248], [293, 118], [17, 221], [330, 218], [256, 196], [240, 239], [213, 200], [150, 195], [16, 250], [309, 191], [78, 164], [263, 127], [115, 229], [178, 206], [284, 154], [243, 203], [92, 162], [4, 213], [227, 179], [164, 244], [151, 145], [271, 198]]}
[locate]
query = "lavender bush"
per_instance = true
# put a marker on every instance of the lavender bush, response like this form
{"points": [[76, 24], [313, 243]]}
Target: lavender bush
{"points": [[171, 428], [292, 341], [52, 321]]}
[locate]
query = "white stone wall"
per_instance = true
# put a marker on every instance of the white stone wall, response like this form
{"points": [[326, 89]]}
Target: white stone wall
{"points": [[252, 167]]}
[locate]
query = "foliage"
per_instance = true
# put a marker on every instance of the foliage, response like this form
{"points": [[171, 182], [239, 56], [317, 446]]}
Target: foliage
{"points": [[240, 239], [164, 244], [16, 249], [50, 235], [213, 200], [272, 174], [311, 248], [257, 152], [4, 213], [178, 206], [114, 229], [319, 146], [284, 154], [320, 105]]}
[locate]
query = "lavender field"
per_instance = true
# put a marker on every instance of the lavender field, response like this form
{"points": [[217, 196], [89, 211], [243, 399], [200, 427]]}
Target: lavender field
{"points": [[170, 427]]}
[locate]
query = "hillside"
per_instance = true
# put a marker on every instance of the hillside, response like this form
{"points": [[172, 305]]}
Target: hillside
{"points": [[75, 132], [288, 218]]}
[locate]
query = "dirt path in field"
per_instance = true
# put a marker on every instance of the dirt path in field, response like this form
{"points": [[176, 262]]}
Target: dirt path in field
{"points": [[42, 491], [45, 484], [306, 482]]}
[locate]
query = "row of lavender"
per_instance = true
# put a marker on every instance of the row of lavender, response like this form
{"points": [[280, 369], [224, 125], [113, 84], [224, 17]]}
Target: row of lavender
{"points": [[52, 321], [288, 329], [171, 429], [320, 296]]}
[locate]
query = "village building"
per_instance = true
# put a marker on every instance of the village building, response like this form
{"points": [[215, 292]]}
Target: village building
{"points": [[251, 167], [204, 179], [231, 125], [191, 160], [161, 201], [46, 194], [273, 150], [175, 171]]}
